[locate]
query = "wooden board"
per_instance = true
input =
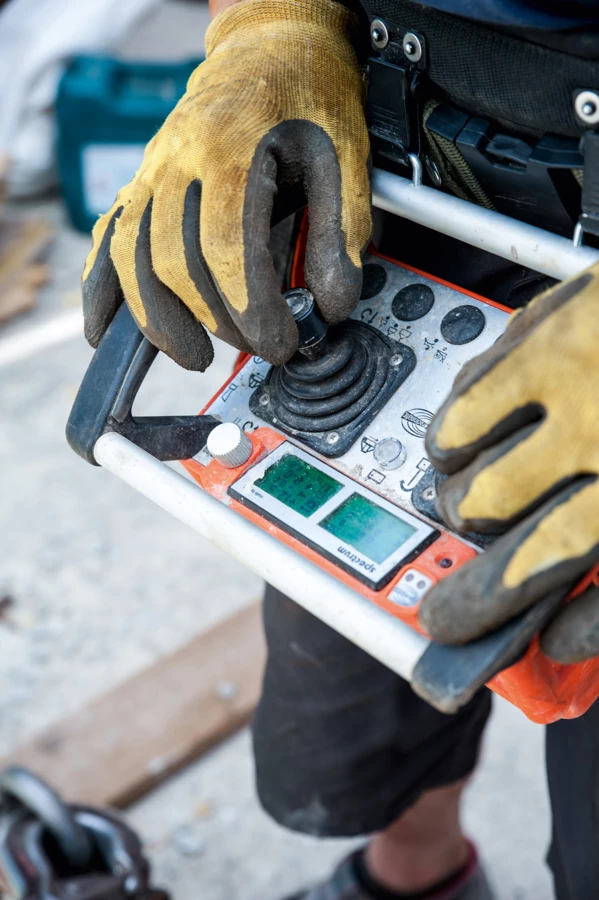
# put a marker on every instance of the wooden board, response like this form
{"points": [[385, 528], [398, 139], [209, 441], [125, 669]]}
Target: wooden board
{"points": [[22, 244], [123, 743]]}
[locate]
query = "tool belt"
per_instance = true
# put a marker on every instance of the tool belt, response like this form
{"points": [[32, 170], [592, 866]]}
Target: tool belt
{"points": [[496, 120]]}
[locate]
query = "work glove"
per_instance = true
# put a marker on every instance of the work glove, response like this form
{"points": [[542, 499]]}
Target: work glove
{"points": [[519, 437], [278, 102]]}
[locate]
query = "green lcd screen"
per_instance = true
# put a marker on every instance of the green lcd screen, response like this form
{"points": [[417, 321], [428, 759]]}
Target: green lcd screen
{"points": [[368, 527], [297, 484]]}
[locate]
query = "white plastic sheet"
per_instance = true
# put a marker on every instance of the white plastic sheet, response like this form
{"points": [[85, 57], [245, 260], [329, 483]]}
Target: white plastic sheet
{"points": [[37, 37]]}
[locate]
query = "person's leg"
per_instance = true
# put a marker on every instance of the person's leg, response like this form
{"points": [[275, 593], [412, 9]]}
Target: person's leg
{"points": [[344, 747], [572, 747], [425, 846]]}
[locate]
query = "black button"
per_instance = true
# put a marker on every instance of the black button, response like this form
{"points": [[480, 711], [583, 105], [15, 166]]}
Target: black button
{"points": [[373, 280], [413, 302], [462, 324]]}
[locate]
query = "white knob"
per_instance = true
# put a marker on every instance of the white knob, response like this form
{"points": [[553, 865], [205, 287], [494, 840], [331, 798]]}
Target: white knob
{"points": [[229, 445]]}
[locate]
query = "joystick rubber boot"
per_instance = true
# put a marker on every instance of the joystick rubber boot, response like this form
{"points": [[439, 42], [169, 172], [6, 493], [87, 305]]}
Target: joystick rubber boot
{"points": [[335, 384]]}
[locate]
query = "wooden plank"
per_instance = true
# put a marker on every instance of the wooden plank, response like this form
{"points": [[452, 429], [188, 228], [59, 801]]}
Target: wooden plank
{"points": [[128, 740], [22, 244], [22, 294]]}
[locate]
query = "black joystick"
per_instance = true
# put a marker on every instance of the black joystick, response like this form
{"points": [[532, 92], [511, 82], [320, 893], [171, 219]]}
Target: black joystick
{"points": [[311, 329], [335, 384]]}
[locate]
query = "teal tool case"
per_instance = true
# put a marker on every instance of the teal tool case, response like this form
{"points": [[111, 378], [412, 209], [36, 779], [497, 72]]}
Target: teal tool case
{"points": [[107, 110]]}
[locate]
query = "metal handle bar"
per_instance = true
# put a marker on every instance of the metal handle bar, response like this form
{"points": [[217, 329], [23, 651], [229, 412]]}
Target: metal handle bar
{"points": [[501, 235]]}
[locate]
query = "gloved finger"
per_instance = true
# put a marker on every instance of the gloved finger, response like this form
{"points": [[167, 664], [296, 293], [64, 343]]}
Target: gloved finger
{"points": [[160, 315], [338, 193], [179, 262], [496, 490], [480, 410], [540, 555], [573, 636], [234, 234], [101, 290]]}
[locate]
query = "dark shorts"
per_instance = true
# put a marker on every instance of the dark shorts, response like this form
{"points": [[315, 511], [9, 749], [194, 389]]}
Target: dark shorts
{"points": [[343, 745]]}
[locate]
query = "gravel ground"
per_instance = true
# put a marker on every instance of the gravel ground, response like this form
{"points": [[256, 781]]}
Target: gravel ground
{"points": [[99, 583]]}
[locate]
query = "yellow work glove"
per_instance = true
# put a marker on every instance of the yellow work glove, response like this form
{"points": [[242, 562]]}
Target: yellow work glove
{"points": [[277, 103], [519, 435]]}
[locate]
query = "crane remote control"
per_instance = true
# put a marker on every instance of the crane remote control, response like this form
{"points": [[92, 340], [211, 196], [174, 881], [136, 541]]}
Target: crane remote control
{"points": [[326, 453]]}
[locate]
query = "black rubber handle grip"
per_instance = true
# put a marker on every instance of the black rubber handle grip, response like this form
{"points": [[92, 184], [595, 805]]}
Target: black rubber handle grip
{"points": [[447, 677], [106, 396]]}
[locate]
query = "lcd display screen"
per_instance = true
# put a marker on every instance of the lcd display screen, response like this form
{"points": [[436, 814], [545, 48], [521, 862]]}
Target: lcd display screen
{"points": [[368, 528], [297, 484]]}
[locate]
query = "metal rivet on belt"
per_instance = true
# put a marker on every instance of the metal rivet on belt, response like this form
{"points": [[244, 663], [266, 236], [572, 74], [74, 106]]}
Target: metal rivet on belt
{"points": [[412, 47], [586, 106], [379, 34]]}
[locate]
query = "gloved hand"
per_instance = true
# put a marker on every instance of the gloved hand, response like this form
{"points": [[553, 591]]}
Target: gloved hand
{"points": [[279, 100], [519, 435]]}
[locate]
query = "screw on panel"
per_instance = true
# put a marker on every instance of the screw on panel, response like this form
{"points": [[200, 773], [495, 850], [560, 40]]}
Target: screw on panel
{"points": [[396, 360], [412, 47], [379, 34], [429, 493], [332, 437], [264, 399]]}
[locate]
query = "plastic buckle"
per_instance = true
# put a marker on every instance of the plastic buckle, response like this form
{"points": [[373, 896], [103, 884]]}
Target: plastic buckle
{"points": [[392, 106], [528, 180], [589, 218]]}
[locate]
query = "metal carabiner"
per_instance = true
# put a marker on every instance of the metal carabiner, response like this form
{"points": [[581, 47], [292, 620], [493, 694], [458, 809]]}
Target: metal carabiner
{"points": [[20, 787]]}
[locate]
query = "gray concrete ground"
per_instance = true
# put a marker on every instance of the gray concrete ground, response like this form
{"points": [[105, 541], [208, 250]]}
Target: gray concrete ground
{"points": [[102, 584]]}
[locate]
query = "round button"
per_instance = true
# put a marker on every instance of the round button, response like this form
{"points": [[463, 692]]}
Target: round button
{"points": [[413, 302], [390, 453], [229, 445], [462, 324], [374, 279]]}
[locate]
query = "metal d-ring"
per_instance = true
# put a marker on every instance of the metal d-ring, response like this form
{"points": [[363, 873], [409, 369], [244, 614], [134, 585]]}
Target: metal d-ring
{"points": [[38, 798], [416, 169]]}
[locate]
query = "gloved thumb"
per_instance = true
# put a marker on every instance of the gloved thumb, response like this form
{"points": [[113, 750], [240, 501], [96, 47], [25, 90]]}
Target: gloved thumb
{"points": [[573, 636]]}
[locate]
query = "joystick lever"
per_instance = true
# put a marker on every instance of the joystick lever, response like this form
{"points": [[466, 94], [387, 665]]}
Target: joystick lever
{"points": [[312, 331]]}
